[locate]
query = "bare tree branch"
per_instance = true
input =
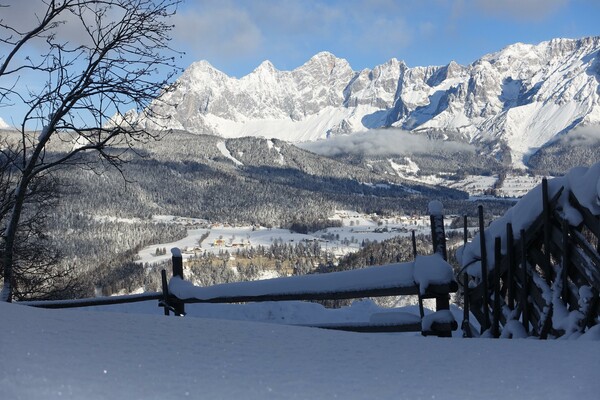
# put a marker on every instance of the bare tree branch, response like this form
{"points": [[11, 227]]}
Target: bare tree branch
{"points": [[120, 61]]}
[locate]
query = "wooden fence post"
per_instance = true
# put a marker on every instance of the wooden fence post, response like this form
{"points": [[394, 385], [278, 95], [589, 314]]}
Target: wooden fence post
{"points": [[565, 261], [414, 248], [438, 235], [165, 292], [547, 232], [465, 230], [497, 262], [177, 259], [466, 324], [598, 239], [438, 238], [524, 283], [484, 271], [510, 276]]}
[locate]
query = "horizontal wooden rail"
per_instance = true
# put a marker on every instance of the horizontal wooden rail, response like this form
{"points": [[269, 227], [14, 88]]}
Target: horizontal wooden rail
{"points": [[95, 301], [432, 291], [371, 328]]}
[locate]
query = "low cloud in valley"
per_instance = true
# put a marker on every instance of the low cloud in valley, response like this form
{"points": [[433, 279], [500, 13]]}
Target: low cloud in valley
{"points": [[384, 142]]}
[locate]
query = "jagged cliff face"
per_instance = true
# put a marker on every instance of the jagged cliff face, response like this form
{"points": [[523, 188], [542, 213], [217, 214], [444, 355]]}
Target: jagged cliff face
{"points": [[512, 102]]}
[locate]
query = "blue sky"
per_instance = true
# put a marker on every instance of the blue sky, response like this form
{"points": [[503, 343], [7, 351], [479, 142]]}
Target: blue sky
{"points": [[235, 36]]}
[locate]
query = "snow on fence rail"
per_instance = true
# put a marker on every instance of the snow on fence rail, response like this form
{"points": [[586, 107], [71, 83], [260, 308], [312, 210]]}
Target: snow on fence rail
{"points": [[427, 275], [538, 266]]}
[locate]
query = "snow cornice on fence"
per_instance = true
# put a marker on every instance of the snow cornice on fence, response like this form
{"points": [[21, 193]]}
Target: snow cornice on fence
{"points": [[426, 275], [581, 182]]}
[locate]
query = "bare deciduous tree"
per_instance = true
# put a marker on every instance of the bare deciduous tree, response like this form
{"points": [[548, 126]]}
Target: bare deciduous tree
{"points": [[97, 59], [36, 273]]}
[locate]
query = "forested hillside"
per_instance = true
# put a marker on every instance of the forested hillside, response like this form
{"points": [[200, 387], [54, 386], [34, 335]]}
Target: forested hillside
{"points": [[103, 216]]}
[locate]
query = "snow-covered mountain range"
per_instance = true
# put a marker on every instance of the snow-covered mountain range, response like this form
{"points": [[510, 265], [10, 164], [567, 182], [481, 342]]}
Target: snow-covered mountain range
{"points": [[511, 102]]}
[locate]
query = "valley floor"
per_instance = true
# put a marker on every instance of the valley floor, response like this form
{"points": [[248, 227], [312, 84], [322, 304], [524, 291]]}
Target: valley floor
{"points": [[355, 229]]}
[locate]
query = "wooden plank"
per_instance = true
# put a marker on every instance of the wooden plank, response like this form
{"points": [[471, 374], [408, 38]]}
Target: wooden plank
{"points": [[537, 259], [589, 220], [496, 287], [369, 328], [593, 311], [536, 227], [574, 274], [414, 244], [556, 243], [535, 294], [485, 324], [588, 249], [437, 328], [547, 323], [477, 312], [438, 235], [526, 283], [177, 261], [546, 232], [91, 302], [432, 291], [565, 261], [534, 319], [510, 276], [164, 302], [571, 293], [579, 260], [465, 230], [466, 324]]}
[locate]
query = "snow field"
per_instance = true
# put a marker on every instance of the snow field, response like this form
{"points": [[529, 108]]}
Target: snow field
{"points": [[355, 229], [75, 354]]}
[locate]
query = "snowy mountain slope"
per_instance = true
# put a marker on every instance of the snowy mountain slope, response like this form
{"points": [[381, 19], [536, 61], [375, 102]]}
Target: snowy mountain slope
{"points": [[520, 97]]}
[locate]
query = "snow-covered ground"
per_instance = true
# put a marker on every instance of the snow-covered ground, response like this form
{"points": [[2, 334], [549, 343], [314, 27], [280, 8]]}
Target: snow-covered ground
{"points": [[475, 185], [356, 228], [310, 128], [76, 354], [518, 185]]}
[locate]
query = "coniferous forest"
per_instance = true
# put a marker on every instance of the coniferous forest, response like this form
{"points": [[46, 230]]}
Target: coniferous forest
{"points": [[102, 216]]}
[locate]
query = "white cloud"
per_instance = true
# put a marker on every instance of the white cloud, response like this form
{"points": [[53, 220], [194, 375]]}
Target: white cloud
{"points": [[520, 9], [583, 136], [383, 142], [385, 33], [247, 31], [217, 31]]}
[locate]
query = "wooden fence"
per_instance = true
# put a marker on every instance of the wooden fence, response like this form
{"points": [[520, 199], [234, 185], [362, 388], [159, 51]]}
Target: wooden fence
{"points": [[552, 268], [440, 292]]}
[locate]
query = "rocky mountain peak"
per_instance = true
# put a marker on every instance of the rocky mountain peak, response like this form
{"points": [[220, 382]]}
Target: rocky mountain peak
{"points": [[265, 67], [519, 98]]}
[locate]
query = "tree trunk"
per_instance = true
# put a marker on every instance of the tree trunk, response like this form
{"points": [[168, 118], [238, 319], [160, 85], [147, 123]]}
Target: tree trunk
{"points": [[10, 232]]}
